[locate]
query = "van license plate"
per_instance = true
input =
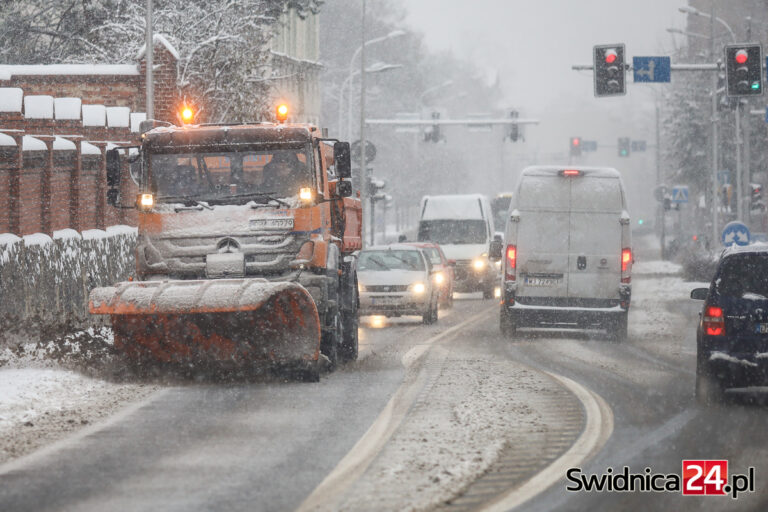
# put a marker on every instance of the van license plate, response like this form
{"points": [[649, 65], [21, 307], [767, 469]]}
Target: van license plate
{"points": [[761, 328], [542, 281]]}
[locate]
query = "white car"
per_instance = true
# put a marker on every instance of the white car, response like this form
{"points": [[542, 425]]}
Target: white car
{"points": [[397, 280]]}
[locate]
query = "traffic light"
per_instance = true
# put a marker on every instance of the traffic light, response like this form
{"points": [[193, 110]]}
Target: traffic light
{"points": [[575, 146], [624, 146], [756, 197], [432, 133], [514, 129], [744, 69], [610, 70]]}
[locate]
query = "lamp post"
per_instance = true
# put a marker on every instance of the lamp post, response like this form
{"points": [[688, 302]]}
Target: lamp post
{"points": [[737, 113], [148, 54], [434, 88], [354, 72], [376, 67]]}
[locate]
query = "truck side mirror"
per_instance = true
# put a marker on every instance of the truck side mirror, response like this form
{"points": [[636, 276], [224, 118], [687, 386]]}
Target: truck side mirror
{"points": [[344, 188], [494, 252], [113, 176], [342, 160]]}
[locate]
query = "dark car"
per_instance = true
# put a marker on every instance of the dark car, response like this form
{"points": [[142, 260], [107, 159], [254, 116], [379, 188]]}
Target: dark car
{"points": [[732, 337]]}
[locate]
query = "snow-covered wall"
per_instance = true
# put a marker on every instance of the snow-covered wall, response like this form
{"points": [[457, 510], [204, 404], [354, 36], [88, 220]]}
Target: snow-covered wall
{"points": [[45, 282]]}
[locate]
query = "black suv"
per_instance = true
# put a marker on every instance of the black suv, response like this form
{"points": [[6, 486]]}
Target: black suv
{"points": [[732, 338]]}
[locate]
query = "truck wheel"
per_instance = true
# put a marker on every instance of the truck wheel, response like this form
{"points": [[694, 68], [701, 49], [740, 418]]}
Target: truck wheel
{"points": [[308, 373], [507, 323], [349, 342]]}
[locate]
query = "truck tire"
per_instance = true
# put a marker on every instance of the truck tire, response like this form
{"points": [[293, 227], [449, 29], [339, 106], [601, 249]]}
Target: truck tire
{"points": [[331, 339], [348, 349], [308, 373]]}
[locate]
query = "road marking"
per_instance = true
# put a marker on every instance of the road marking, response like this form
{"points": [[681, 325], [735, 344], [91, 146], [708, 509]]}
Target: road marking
{"points": [[61, 444], [354, 464], [597, 431]]}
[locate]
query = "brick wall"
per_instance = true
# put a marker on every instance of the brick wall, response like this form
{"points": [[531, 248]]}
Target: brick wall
{"points": [[63, 185]]}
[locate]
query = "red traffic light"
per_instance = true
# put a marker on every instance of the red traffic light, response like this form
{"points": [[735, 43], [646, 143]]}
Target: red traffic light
{"points": [[611, 56], [575, 141], [741, 56]]}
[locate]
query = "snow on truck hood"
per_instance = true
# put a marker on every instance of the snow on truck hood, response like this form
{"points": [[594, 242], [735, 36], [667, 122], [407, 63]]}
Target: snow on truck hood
{"points": [[463, 251], [390, 277]]}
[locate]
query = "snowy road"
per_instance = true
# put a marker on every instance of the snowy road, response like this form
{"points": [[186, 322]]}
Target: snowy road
{"points": [[442, 417]]}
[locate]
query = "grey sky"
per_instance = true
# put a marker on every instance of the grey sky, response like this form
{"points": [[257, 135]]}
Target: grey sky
{"points": [[533, 44]]}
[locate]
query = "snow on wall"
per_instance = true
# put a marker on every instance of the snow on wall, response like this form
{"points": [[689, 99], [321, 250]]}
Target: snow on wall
{"points": [[10, 70], [38, 107], [6, 140], [136, 119], [67, 108], [159, 38], [94, 115], [62, 144], [44, 282], [118, 117], [11, 99], [29, 143]]}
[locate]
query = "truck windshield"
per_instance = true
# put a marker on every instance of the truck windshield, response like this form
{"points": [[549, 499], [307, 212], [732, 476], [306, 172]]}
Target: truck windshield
{"points": [[453, 232], [220, 176]]}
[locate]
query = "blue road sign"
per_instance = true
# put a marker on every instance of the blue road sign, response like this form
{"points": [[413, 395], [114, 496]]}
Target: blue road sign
{"points": [[735, 232], [652, 69], [766, 114], [679, 194], [724, 177], [589, 145]]}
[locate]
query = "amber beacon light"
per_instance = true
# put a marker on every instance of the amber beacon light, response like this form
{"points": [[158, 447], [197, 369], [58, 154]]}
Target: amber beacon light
{"points": [[282, 112]]}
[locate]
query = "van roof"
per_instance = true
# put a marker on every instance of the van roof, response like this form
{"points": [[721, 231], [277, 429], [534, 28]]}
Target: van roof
{"points": [[552, 170]]}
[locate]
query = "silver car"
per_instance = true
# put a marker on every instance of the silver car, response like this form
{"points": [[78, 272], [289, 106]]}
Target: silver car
{"points": [[397, 280]]}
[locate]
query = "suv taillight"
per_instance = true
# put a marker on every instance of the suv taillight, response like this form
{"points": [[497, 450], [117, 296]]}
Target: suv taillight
{"points": [[509, 272], [626, 265], [714, 321]]}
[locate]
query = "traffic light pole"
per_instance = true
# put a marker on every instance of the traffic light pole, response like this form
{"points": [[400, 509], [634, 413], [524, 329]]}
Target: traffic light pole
{"points": [[739, 186]]}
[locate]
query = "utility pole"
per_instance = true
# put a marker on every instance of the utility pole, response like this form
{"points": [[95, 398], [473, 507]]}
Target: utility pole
{"points": [[148, 54], [715, 198], [739, 142], [367, 229]]}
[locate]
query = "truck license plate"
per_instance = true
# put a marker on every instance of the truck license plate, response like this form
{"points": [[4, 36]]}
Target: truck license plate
{"points": [[282, 223], [761, 328], [542, 281]]}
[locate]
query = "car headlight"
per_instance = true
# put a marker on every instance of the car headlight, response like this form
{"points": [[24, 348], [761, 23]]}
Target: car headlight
{"points": [[439, 278], [479, 264], [360, 288], [418, 288]]}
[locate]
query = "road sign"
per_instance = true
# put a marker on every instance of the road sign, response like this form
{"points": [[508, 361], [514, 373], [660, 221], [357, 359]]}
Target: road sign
{"points": [[370, 151], [766, 110], [724, 177], [638, 145], [679, 194], [735, 232], [589, 145], [652, 69]]}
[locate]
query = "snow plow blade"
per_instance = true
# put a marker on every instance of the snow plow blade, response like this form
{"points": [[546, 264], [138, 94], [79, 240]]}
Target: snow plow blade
{"points": [[241, 321]]}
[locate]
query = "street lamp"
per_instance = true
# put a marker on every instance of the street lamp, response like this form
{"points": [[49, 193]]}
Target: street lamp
{"points": [[376, 67], [695, 12], [352, 72], [447, 83]]}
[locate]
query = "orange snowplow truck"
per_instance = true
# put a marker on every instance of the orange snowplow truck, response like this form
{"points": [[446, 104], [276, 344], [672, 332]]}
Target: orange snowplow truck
{"points": [[245, 248]]}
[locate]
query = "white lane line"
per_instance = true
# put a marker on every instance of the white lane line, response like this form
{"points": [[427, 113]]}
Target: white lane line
{"points": [[597, 431], [68, 441], [354, 464], [654, 438]]}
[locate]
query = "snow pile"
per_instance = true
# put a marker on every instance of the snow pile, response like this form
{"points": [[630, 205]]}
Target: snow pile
{"points": [[94, 115], [29, 143], [37, 239], [68, 69], [118, 117], [86, 148], [67, 108], [11, 99], [62, 144], [657, 268], [38, 107]]}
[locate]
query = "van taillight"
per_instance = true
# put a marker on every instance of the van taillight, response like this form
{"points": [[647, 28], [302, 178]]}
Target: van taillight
{"points": [[511, 262], [626, 261], [571, 172], [714, 321]]}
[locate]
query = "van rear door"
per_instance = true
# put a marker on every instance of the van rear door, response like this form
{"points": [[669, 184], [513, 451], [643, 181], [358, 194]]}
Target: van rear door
{"points": [[542, 236], [594, 260]]}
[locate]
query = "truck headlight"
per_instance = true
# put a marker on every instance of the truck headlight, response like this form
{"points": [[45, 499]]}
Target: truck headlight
{"points": [[418, 288], [305, 194], [479, 264], [145, 202]]}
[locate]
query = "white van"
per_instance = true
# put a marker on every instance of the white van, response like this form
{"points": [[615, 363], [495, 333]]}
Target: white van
{"points": [[463, 226], [568, 258]]}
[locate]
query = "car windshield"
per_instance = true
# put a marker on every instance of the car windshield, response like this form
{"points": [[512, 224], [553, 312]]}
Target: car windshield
{"points": [[390, 260], [744, 276], [232, 175], [453, 232]]}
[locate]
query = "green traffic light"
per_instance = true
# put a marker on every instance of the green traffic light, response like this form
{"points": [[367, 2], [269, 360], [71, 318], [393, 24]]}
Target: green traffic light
{"points": [[755, 86], [640, 221]]}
